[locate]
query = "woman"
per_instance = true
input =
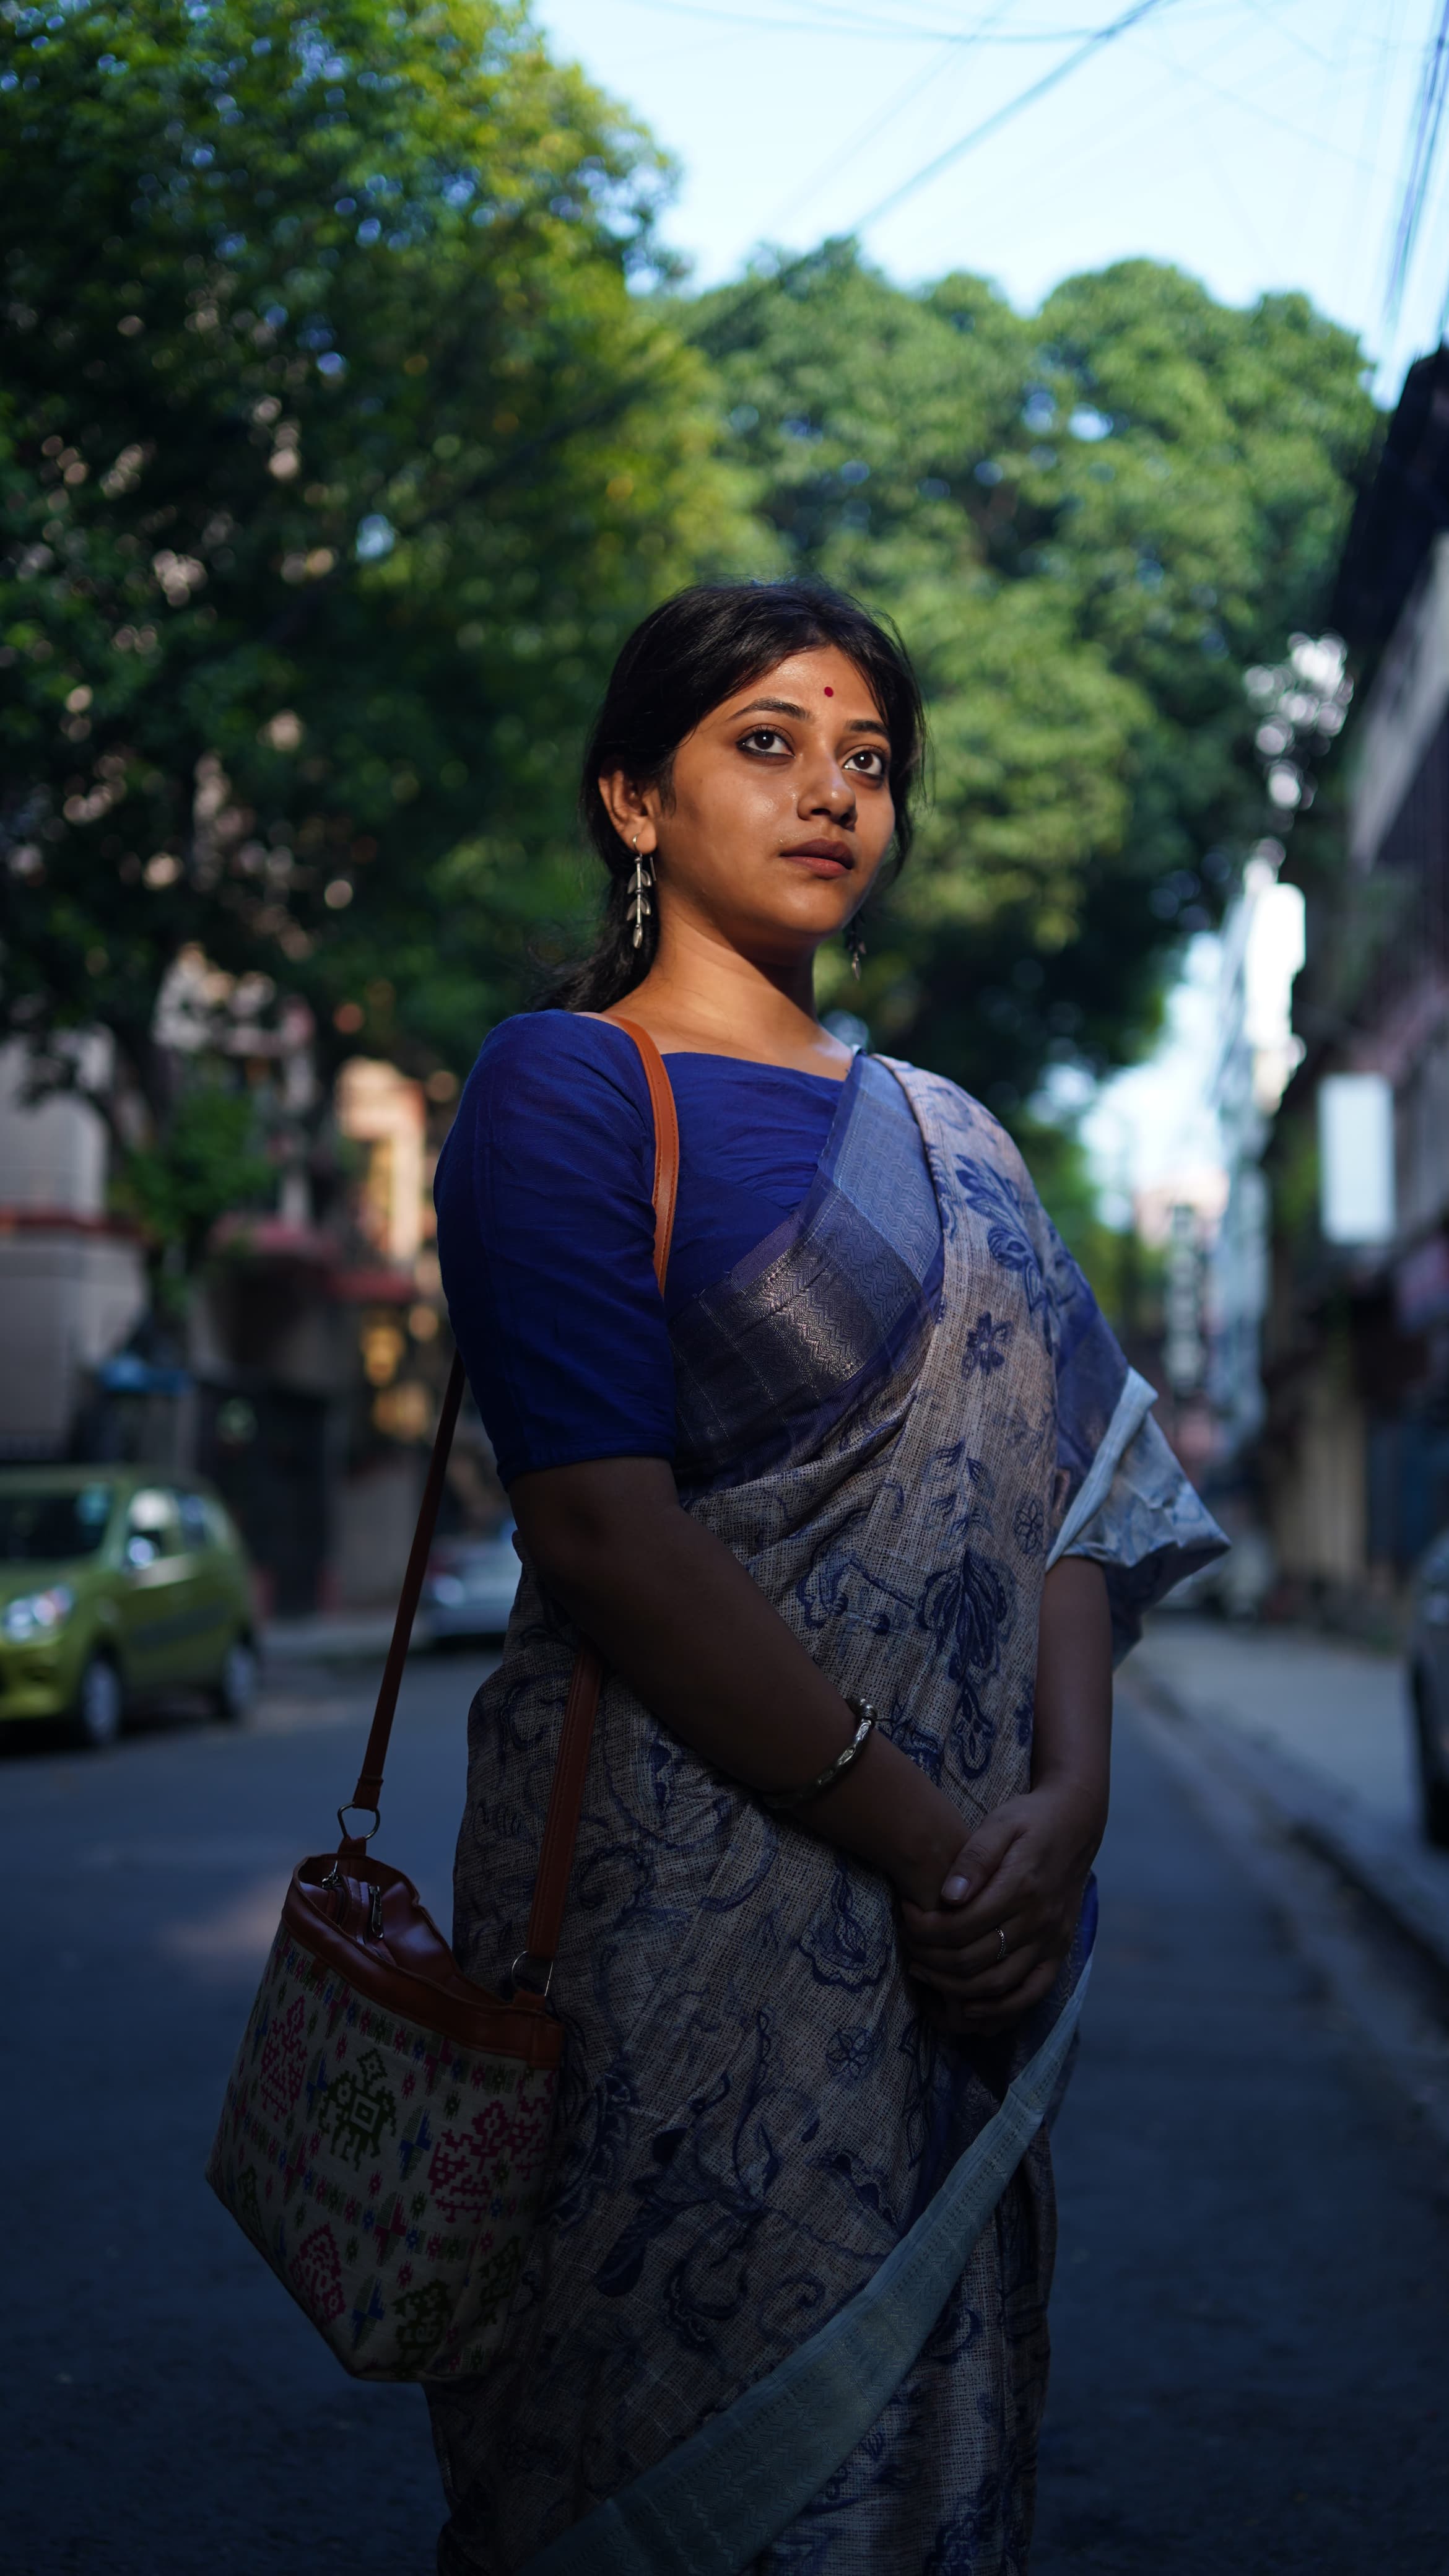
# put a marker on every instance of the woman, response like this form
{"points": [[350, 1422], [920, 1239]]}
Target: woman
{"points": [[825, 1472]]}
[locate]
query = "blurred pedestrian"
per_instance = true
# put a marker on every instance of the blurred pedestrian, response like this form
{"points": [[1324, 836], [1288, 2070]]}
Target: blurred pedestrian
{"points": [[853, 1511]]}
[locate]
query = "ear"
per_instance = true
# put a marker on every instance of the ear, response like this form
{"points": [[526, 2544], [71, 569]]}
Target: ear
{"points": [[629, 810]]}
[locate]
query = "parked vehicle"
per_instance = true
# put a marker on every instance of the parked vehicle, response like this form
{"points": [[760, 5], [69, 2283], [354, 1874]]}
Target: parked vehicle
{"points": [[117, 1584], [1429, 1687], [469, 1586]]}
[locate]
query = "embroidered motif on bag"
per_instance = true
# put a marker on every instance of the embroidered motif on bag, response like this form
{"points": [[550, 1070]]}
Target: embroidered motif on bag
{"points": [[347, 2154]]}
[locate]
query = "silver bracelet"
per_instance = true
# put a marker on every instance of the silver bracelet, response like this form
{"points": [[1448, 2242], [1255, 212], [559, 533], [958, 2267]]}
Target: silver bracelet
{"points": [[833, 1771]]}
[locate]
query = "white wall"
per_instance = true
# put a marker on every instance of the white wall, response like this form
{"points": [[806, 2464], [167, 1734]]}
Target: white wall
{"points": [[52, 1155], [67, 1300], [70, 1290]]}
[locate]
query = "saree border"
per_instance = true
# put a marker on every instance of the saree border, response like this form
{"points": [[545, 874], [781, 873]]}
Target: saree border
{"points": [[713, 2504]]}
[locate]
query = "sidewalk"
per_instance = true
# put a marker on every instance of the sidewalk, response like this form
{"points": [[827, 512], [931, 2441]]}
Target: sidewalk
{"points": [[341, 1636], [1319, 1731]]}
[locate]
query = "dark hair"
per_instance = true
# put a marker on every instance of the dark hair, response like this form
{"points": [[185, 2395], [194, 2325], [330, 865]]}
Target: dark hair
{"points": [[687, 656]]}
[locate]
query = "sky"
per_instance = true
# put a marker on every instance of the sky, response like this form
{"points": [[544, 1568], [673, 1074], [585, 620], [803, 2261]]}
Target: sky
{"points": [[1259, 144]]}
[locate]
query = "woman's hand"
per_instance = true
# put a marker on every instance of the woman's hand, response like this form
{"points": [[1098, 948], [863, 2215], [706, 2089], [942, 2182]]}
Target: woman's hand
{"points": [[992, 1943], [1022, 1875]]}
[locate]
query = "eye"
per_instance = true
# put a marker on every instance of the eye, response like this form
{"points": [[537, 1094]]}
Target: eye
{"points": [[764, 742], [869, 762]]}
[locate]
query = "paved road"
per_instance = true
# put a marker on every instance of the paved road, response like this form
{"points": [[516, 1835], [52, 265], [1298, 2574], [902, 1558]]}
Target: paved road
{"points": [[1252, 2325], [1251, 2318], [166, 2411], [1339, 1708]]}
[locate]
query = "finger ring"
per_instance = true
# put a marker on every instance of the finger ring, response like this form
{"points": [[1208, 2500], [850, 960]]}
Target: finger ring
{"points": [[1001, 1937]]}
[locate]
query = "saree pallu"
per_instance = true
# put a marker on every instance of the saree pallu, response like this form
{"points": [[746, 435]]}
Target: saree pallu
{"points": [[895, 1411]]}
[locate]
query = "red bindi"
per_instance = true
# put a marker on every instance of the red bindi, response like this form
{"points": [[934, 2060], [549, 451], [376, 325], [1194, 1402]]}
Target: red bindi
{"points": [[830, 693]]}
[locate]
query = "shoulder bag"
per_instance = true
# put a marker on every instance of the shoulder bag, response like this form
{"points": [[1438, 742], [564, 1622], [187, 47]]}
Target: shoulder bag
{"points": [[386, 2123]]}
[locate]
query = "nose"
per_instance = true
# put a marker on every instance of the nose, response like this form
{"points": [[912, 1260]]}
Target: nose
{"points": [[829, 791]]}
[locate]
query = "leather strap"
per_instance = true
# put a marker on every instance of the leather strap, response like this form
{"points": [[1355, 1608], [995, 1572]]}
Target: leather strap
{"points": [[566, 1798], [369, 1778], [561, 1825], [666, 1143]]}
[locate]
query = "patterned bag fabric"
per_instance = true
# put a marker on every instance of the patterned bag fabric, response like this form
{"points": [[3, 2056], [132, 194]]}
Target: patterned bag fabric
{"points": [[387, 2169], [387, 2122]]}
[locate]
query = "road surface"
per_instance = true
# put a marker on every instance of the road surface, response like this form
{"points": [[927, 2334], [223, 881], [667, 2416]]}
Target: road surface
{"points": [[1251, 2317]]}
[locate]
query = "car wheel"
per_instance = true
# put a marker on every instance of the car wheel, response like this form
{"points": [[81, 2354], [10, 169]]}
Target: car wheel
{"points": [[1433, 1784], [236, 1686], [100, 1704]]}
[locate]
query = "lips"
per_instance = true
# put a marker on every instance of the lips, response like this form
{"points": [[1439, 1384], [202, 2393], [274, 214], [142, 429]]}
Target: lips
{"points": [[824, 856]]}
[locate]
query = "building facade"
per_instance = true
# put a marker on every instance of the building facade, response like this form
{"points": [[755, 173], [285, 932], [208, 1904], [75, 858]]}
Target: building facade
{"points": [[1356, 1339], [72, 1280]]}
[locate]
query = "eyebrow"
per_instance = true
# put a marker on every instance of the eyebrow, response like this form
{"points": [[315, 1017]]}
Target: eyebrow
{"points": [[787, 707]]}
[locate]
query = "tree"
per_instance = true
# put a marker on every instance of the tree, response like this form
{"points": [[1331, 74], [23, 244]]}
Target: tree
{"points": [[349, 417], [339, 451], [1087, 523]]}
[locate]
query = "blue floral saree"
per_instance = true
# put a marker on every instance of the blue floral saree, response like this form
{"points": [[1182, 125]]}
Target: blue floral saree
{"points": [[896, 1411]]}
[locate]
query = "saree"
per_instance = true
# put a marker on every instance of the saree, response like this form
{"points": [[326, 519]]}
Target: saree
{"points": [[896, 1411]]}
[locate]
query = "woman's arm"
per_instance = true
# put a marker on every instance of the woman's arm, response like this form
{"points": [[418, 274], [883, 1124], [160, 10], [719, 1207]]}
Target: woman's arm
{"points": [[671, 1609], [1024, 1869]]}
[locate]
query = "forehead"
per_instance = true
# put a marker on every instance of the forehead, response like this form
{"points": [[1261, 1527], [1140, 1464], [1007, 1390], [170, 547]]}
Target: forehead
{"points": [[822, 679]]}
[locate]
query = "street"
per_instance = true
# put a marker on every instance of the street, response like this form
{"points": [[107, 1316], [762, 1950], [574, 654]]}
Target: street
{"points": [[1251, 2318]]}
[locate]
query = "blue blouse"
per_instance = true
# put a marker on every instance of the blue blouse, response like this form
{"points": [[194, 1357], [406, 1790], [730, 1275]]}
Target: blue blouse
{"points": [[546, 1227]]}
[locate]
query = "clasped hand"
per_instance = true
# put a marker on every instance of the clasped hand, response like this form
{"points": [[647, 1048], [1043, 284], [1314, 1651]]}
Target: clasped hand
{"points": [[1022, 1873]]}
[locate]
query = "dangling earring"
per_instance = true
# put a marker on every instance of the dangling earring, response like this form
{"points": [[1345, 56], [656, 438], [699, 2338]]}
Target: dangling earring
{"points": [[640, 906], [854, 946]]}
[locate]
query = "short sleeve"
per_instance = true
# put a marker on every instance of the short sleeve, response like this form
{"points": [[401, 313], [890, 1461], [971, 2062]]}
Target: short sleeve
{"points": [[1150, 1529], [545, 1240], [1122, 1498]]}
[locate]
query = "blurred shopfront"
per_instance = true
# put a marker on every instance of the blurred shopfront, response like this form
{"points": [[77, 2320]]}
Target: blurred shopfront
{"points": [[1356, 1342], [305, 1375]]}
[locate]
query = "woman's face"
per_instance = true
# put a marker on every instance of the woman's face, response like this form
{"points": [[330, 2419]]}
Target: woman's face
{"points": [[779, 811]]}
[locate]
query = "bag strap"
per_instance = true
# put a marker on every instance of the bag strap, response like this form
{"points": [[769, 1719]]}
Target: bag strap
{"points": [[561, 1825]]}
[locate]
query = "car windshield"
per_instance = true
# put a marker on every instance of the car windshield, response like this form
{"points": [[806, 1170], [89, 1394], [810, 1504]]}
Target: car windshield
{"points": [[36, 1527]]}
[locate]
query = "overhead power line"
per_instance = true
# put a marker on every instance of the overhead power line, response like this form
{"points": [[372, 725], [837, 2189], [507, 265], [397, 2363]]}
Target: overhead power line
{"points": [[733, 307], [848, 23], [992, 124], [948, 56], [1428, 117]]}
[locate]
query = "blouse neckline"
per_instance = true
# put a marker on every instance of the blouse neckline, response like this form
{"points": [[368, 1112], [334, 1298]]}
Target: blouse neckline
{"points": [[754, 1064]]}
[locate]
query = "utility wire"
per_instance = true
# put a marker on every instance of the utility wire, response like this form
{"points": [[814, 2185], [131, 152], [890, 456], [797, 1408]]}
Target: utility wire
{"points": [[1254, 107], [891, 31], [992, 124], [946, 57], [1433, 89], [732, 306]]}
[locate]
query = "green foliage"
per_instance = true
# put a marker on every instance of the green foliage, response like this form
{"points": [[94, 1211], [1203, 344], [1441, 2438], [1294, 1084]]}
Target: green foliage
{"points": [[1086, 523], [340, 447], [209, 1162], [339, 455]]}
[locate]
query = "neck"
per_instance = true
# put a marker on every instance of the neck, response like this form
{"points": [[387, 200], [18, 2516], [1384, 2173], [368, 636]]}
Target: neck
{"points": [[708, 998]]}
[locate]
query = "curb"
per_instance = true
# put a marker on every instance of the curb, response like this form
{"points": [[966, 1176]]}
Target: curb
{"points": [[1408, 1885], [336, 1638]]}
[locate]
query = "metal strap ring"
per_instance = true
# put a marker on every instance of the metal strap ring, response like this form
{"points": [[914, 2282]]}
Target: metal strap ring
{"points": [[352, 1809]]}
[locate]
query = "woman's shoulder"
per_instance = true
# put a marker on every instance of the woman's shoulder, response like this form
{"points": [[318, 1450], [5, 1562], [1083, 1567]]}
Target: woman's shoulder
{"points": [[537, 1039], [980, 1147], [957, 1109], [555, 1057]]}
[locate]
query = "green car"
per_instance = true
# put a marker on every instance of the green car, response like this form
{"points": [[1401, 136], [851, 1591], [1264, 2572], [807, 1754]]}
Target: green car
{"points": [[117, 1583]]}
